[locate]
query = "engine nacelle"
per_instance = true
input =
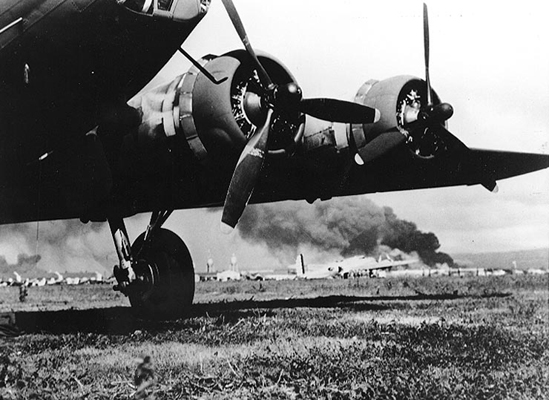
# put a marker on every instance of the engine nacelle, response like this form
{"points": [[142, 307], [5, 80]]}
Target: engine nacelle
{"points": [[399, 100], [217, 118]]}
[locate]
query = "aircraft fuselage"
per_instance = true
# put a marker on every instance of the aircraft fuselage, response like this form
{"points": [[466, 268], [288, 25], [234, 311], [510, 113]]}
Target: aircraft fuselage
{"points": [[61, 63], [68, 65]]}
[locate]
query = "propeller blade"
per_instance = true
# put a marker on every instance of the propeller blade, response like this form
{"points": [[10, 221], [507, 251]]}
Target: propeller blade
{"points": [[339, 111], [239, 27], [426, 51], [245, 176], [441, 112]]}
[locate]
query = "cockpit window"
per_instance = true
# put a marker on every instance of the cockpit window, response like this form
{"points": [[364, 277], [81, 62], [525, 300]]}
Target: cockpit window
{"points": [[141, 6], [177, 10], [165, 5]]}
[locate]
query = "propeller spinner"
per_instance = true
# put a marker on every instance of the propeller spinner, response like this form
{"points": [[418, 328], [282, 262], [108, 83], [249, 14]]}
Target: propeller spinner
{"points": [[280, 98]]}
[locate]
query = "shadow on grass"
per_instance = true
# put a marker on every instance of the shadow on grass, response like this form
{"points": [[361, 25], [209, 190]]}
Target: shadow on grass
{"points": [[120, 320]]}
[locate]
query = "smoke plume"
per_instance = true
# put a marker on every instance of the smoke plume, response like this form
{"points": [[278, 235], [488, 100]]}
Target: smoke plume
{"points": [[342, 226], [55, 246], [325, 230], [325, 227], [25, 265]]}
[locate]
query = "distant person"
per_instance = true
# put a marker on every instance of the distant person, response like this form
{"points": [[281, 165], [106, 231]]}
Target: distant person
{"points": [[23, 293]]}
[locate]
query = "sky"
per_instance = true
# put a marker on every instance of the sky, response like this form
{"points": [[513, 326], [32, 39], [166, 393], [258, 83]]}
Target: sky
{"points": [[488, 59]]}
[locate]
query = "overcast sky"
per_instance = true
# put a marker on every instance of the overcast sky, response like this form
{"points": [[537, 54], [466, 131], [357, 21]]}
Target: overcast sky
{"points": [[489, 59]]}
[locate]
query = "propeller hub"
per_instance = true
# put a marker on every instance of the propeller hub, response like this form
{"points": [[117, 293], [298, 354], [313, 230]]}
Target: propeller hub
{"points": [[438, 113], [442, 112], [288, 96]]}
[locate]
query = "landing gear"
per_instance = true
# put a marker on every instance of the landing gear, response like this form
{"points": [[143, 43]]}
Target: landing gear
{"points": [[165, 277], [156, 272]]}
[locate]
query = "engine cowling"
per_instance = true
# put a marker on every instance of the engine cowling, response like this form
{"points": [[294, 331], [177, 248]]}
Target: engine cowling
{"points": [[228, 114], [400, 100], [217, 119]]}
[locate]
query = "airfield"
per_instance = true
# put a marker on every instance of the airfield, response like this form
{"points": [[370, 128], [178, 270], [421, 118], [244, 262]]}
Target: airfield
{"points": [[482, 337]]}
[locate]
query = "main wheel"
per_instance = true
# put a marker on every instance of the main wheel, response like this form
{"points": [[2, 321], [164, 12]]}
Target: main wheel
{"points": [[165, 286]]}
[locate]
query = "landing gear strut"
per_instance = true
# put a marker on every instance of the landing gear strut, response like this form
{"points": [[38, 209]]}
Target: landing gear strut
{"points": [[157, 272]]}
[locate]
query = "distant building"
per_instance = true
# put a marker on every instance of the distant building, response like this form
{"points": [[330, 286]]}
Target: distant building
{"points": [[233, 265], [210, 265]]}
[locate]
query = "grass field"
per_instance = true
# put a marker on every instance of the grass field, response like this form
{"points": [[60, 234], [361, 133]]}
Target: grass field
{"points": [[443, 337]]}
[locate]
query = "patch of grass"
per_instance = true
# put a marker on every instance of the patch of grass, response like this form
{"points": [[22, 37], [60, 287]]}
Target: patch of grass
{"points": [[333, 340]]}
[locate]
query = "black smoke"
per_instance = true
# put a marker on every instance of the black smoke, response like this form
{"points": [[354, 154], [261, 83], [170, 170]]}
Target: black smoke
{"points": [[404, 235], [327, 226], [366, 242], [345, 226], [25, 265], [55, 245]]}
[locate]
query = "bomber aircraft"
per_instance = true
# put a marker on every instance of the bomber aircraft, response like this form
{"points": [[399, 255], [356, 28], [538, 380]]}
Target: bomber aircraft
{"points": [[345, 268], [360, 265], [76, 141]]}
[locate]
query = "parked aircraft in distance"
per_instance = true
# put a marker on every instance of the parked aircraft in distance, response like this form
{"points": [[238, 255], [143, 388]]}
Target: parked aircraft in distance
{"points": [[229, 131], [81, 279], [360, 265], [345, 268]]}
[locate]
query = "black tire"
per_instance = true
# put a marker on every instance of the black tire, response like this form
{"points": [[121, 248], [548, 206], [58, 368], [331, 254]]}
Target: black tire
{"points": [[167, 258]]}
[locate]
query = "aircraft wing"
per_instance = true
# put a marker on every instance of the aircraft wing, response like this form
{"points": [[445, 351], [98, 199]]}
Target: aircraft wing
{"points": [[389, 264], [370, 266], [399, 169], [506, 164]]}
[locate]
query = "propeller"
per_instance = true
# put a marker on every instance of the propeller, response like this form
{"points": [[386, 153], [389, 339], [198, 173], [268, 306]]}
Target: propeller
{"points": [[423, 124], [245, 176], [430, 114], [426, 50], [286, 98], [433, 116], [439, 113]]}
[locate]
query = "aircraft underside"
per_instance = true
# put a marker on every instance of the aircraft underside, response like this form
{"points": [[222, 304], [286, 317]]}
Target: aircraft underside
{"points": [[228, 131]]}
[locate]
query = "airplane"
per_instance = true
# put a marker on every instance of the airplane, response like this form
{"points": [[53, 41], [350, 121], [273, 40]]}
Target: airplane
{"points": [[359, 265], [345, 268], [301, 270], [58, 279], [76, 141]]}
